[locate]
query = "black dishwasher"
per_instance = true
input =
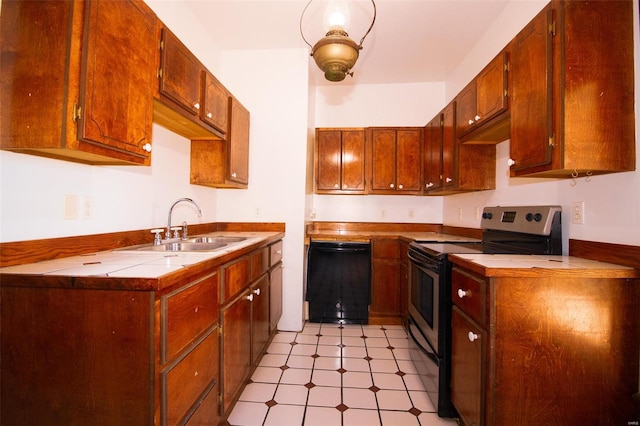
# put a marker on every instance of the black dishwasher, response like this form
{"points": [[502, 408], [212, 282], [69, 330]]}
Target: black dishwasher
{"points": [[339, 282]]}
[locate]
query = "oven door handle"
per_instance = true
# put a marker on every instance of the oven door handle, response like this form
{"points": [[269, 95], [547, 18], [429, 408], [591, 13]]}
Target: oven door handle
{"points": [[423, 262], [431, 355]]}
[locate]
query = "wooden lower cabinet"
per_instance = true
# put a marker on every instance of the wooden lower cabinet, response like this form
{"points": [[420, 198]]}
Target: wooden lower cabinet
{"points": [[556, 348], [235, 319], [247, 319], [78, 356], [385, 278]]}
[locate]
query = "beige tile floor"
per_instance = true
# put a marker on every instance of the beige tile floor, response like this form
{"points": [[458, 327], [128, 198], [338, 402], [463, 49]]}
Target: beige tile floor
{"points": [[332, 374]]}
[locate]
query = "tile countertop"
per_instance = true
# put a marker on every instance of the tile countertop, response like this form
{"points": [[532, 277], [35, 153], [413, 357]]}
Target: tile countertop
{"points": [[124, 263], [516, 265], [320, 235]]}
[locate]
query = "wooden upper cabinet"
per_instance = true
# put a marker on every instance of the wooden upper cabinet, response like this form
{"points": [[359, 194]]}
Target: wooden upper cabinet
{"points": [[238, 166], [340, 161], [433, 154], [215, 102], [463, 167], [482, 104], [83, 113], [190, 100], [224, 163], [396, 160], [572, 100], [180, 76]]}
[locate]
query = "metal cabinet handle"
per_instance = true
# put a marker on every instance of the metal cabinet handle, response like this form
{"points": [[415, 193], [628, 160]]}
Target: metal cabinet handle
{"points": [[477, 117], [233, 174], [209, 115], [473, 336], [335, 185], [511, 162], [462, 293], [400, 186], [448, 180], [196, 105], [256, 292], [146, 147], [391, 186], [470, 122], [250, 297]]}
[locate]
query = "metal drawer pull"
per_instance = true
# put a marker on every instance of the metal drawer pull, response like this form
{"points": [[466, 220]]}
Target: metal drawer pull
{"points": [[256, 292], [250, 298], [472, 336], [462, 293]]}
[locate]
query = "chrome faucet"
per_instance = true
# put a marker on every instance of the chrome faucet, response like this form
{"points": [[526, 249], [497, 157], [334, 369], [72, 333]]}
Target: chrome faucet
{"points": [[184, 224]]}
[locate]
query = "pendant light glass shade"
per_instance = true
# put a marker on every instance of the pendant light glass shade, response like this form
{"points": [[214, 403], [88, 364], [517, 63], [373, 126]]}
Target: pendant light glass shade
{"points": [[335, 53]]}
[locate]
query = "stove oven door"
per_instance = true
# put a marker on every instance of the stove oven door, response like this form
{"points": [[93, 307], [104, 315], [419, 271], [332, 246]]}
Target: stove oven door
{"points": [[425, 274]]}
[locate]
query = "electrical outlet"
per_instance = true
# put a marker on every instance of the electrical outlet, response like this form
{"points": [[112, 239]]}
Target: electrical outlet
{"points": [[577, 212], [86, 207]]}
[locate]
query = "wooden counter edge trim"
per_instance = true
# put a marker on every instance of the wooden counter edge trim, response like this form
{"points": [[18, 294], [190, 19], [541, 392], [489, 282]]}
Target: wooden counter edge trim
{"points": [[21, 252], [372, 227], [620, 254]]}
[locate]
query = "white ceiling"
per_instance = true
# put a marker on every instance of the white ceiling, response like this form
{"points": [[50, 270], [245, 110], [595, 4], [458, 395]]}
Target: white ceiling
{"points": [[411, 41]]}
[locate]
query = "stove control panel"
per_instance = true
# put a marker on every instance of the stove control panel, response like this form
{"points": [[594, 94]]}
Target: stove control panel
{"points": [[525, 219]]}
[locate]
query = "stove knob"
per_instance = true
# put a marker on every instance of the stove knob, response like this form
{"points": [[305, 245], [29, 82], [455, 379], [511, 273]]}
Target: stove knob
{"points": [[529, 217], [486, 215], [537, 217]]}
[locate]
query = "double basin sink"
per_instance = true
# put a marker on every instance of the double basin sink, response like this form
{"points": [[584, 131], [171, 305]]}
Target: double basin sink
{"points": [[204, 243]]}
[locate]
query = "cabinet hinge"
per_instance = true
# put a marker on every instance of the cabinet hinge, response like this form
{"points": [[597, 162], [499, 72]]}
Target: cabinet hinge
{"points": [[506, 66], [161, 45], [506, 93], [159, 73], [552, 28], [552, 141], [77, 112]]}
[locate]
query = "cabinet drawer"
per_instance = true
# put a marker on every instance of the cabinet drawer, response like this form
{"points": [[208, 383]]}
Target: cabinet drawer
{"points": [[235, 277], [207, 412], [259, 263], [276, 253], [186, 313], [185, 382], [469, 293], [386, 248]]}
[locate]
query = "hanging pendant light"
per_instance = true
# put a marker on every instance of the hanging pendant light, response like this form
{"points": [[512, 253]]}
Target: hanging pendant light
{"points": [[335, 53]]}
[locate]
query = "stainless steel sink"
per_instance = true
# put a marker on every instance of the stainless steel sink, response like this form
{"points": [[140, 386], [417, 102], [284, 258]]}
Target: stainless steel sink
{"points": [[197, 244], [184, 246], [217, 239]]}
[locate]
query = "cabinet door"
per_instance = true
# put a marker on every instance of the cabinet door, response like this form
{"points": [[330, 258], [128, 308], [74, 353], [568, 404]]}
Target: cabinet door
{"points": [[530, 85], [385, 276], [238, 139], [466, 108], [467, 368], [215, 102], [328, 160], [275, 296], [449, 174], [409, 159], [235, 320], [433, 154], [383, 167], [491, 86], [118, 77], [180, 76], [260, 326], [352, 160]]}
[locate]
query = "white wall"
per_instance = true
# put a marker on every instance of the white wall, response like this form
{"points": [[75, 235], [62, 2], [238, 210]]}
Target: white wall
{"points": [[278, 152]]}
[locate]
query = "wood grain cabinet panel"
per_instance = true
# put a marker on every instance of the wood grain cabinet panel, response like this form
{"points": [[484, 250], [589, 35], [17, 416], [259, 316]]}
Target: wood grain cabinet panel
{"points": [[396, 160], [235, 277], [433, 154], [482, 105], [544, 350], [260, 325], [571, 79], [385, 281], [215, 102], [82, 113], [340, 161]]}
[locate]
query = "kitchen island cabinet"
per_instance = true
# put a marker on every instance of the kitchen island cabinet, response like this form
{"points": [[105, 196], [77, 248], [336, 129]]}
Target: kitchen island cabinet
{"points": [[572, 110], [542, 345], [82, 113]]}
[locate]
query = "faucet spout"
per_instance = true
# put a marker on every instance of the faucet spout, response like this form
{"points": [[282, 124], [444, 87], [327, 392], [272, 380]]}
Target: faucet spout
{"points": [[179, 200]]}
